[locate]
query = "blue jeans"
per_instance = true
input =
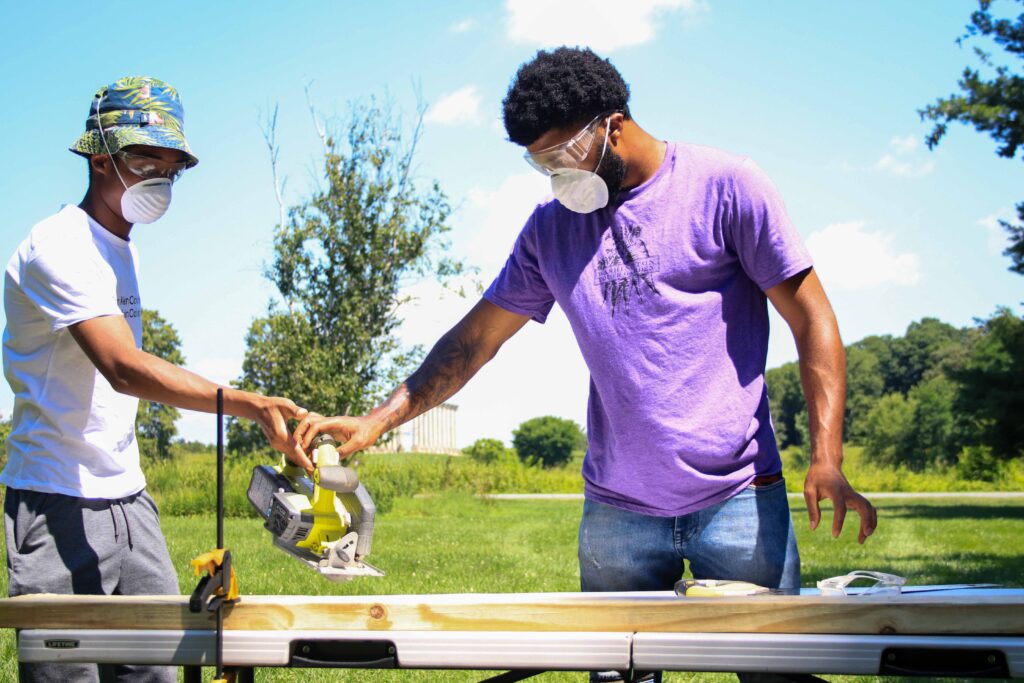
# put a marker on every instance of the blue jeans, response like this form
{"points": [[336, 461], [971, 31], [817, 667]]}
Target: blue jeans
{"points": [[748, 537]]}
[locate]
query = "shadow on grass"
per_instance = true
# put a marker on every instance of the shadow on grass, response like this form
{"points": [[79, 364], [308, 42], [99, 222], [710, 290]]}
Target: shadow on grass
{"points": [[967, 567], [1015, 512], [889, 510]]}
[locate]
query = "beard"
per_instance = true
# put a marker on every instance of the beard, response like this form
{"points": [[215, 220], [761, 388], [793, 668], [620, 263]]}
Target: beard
{"points": [[612, 170]]}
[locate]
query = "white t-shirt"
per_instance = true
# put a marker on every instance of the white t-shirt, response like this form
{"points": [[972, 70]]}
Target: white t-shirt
{"points": [[71, 433]]}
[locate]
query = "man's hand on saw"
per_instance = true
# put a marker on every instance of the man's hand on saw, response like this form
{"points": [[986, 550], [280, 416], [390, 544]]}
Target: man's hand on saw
{"points": [[353, 433], [825, 480], [272, 415]]}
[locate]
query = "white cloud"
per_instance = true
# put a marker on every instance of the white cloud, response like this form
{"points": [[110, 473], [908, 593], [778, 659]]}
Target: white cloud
{"points": [[848, 257], [498, 126], [603, 25], [904, 145], [997, 237], [461, 106], [500, 214], [904, 169], [902, 159], [463, 26]]}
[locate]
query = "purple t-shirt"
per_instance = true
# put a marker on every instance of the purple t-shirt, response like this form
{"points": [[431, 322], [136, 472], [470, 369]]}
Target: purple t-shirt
{"points": [[665, 294]]}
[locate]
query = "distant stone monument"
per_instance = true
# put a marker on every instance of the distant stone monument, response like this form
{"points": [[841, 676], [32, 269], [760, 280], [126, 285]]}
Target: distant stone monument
{"points": [[432, 432]]}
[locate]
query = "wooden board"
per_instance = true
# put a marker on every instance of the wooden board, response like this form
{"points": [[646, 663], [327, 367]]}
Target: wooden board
{"points": [[933, 613]]}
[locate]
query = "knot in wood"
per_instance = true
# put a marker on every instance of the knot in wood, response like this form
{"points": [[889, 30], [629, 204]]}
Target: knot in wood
{"points": [[377, 612]]}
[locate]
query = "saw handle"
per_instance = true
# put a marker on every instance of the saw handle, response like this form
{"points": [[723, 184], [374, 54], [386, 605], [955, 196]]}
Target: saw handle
{"points": [[330, 472], [336, 478]]}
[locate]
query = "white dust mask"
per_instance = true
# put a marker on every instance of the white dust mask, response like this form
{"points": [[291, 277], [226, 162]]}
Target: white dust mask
{"points": [[147, 201], [582, 191]]}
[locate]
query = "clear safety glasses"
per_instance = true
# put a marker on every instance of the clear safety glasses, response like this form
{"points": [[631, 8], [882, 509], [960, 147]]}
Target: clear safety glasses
{"points": [[880, 584], [148, 168], [566, 155]]}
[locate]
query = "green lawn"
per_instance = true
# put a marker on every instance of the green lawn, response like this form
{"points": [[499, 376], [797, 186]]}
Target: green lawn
{"points": [[449, 544]]}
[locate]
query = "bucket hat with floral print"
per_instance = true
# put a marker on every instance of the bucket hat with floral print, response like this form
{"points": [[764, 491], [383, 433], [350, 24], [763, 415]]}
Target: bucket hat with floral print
{"points": [[137, 110]]}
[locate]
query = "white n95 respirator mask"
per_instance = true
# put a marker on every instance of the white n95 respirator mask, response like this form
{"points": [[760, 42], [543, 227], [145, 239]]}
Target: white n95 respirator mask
{"points": [[145, 202], [580, 191]]}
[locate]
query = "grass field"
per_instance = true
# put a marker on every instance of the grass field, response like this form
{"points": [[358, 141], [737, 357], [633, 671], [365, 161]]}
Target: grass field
{"points": [[455, 544]]}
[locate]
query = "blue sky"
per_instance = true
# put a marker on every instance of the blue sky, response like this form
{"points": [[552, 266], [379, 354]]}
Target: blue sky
{"points": [[822, 95]]}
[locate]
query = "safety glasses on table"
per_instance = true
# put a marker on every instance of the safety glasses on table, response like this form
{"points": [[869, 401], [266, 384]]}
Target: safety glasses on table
{"points": [[566, 155], [148, 168], [881, 583]]}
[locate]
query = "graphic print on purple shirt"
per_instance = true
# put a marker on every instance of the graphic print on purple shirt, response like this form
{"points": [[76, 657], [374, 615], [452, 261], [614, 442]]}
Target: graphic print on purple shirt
{"points": [[627, 268], [664, 291]]}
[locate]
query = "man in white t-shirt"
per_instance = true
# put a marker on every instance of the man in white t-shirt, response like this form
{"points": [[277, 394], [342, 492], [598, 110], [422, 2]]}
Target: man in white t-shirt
{"points": [[77, 517]]}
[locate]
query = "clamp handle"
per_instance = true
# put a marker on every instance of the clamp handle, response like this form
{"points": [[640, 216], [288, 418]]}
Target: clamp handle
{"points": [[218, 586]]}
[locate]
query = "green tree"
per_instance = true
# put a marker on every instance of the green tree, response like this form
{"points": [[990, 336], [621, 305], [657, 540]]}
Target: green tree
{"points": [[990, 401], [889, 425], [785, 401], [864, 385], [341, 258], [993, 104], [548, 440], [155, 421], [919, 354], [488, 451], [915, 431], [930, 436], [881, 347], [977, 463]]}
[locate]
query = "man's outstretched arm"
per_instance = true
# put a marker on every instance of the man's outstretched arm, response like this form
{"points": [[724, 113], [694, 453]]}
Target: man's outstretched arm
{"points": [[110, 345], [455, 358], [802, 303]]}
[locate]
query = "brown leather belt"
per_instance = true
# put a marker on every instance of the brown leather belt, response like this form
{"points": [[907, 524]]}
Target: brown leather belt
{"points": [[766, 479]]}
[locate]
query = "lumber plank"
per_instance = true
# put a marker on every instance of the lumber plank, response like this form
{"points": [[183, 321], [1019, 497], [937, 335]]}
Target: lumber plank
{"points": [[933, 614]]}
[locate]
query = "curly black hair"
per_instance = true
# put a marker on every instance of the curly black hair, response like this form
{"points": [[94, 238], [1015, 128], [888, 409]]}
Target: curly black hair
{"points": [[561, 88]]}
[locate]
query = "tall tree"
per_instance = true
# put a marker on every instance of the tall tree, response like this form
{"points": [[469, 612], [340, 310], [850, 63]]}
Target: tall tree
{"points": [[992, 104], [919, 354], [889, 425], [155, 421], [548, 441], [341, 260], [785, 401], [990, 401], [930, 439], [864, 386]]}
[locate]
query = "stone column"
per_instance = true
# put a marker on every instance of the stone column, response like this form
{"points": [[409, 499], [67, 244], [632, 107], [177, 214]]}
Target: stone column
{"points": [[451, 430]]}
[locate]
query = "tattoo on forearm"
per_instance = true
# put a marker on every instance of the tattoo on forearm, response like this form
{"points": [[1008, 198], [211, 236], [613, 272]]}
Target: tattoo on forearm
{"points": [[448, 366]]}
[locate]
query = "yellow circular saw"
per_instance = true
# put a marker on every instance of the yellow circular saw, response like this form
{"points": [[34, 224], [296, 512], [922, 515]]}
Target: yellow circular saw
{"points": [[325, 521]]}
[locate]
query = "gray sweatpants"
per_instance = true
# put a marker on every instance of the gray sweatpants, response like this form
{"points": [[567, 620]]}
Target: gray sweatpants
{"points": [[63, 544]]}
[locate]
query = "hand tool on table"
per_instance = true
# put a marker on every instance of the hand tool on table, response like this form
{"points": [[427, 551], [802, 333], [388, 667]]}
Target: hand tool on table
{"points": [[717, 588]]}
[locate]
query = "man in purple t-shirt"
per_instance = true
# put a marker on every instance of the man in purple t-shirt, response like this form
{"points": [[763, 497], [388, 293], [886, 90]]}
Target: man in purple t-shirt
{"points": [[663, 257]]}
